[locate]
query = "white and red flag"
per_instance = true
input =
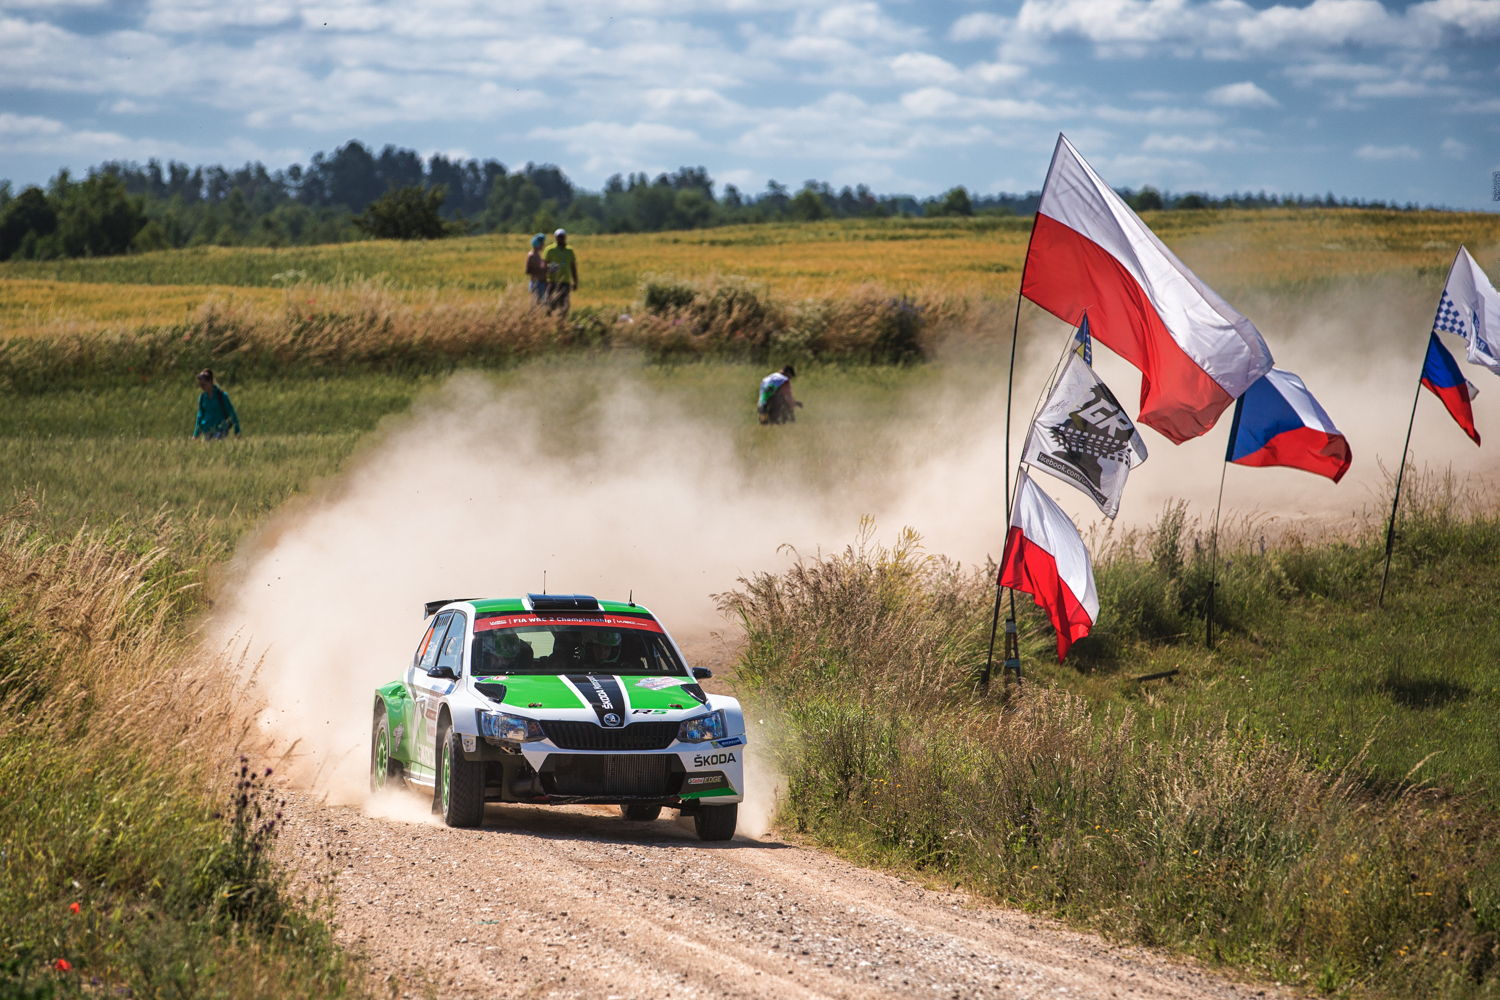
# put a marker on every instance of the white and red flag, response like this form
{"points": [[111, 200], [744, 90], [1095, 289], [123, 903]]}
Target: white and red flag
{"points": [[1046, 558], [1089, 251]]}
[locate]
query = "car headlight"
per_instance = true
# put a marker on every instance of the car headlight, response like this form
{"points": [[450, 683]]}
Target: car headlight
{"points": [[704, 728], [502, 726]]}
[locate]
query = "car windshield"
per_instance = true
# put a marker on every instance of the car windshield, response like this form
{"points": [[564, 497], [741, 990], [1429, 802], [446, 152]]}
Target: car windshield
{"points": [[572, 649]]}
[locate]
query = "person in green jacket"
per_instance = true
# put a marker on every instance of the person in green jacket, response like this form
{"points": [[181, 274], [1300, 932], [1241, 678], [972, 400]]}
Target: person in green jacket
{"points": [[215, 412], [562, 273]]}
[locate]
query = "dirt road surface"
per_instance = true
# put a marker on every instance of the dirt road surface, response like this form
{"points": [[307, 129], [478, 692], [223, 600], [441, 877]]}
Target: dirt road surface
{"points": [[577, 902]]}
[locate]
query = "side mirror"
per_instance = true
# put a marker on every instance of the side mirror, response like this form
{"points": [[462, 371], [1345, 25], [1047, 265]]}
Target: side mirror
{"points": [[702, 673], [443, 671]]}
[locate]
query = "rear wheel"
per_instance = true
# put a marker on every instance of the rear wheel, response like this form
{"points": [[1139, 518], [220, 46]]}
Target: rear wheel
{"points": [[716, 822], [639, 812], [384, 768], [460, 783]]}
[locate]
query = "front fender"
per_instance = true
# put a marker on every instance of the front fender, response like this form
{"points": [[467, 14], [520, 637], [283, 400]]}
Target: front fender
{"points": [[734, 716], [396, 702]]}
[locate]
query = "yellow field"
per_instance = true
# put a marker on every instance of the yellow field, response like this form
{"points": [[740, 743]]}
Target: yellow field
{"points": [[970, 258]]}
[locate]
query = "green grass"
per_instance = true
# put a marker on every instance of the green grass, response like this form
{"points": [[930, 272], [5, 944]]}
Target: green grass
{"points": [[135, 849], [1315, 800], [125, 452]]}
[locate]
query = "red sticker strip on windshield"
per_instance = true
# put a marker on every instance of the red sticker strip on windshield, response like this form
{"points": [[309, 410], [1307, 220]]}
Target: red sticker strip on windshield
{"points": [[601, 621]]}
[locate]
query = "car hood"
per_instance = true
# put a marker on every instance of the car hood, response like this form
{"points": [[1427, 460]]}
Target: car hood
{"points": [[631, 696]]}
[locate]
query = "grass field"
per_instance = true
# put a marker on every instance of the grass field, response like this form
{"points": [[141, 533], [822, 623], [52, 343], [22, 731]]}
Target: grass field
{"points": [[1314, 800], [1232, 250]]}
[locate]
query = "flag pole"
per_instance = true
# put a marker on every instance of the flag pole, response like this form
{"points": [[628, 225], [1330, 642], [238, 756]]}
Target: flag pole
{"points": [[1011, 663], [1213, 553], [1390, 528], [1213, 556]]}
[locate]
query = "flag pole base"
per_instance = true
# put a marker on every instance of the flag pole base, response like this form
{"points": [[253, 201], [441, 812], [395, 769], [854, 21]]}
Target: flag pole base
{"points": [[1012, 665]]}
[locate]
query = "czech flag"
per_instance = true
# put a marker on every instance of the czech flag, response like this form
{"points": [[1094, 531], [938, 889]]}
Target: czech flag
{"points": [[1278, 422], [1440, 374], [1088, 250], [1046, 558]]}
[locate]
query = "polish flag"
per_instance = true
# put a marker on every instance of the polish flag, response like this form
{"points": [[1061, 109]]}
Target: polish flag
{"points": [[1441, 375], [1279, 422], [1089, 251], [1045, 557]]}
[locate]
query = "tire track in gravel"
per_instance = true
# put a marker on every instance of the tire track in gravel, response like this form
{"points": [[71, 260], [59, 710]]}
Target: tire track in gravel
{"points": [[574, 902]]}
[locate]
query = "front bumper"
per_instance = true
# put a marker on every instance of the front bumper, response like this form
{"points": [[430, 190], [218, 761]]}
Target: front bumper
{"points": [[683, 775]]}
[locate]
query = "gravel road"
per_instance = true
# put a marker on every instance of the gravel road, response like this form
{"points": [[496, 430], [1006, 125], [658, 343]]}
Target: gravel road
{"points": [[577, 902]]}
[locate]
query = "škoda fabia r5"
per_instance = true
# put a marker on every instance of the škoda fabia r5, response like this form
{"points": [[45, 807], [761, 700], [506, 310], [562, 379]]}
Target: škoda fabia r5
{"points": [[558, 699]]}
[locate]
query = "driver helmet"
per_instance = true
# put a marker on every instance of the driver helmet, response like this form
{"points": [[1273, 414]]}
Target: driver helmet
{"points": [[605, 643]]}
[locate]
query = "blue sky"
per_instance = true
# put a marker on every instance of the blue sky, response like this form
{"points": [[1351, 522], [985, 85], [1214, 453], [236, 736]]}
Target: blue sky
{"points": [[1369, 100]]}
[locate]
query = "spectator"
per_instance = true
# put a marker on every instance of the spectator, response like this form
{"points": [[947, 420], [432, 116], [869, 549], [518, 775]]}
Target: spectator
{"points": [[562, 273], [777, 405], [215, 412], [536, 269]]}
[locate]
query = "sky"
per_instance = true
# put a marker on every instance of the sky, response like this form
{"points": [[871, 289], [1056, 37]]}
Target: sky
{"points": [[1365, 99]]}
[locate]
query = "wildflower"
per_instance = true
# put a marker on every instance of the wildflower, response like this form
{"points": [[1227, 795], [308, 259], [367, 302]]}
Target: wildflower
{"points": [[74, 908], [63, 965]]}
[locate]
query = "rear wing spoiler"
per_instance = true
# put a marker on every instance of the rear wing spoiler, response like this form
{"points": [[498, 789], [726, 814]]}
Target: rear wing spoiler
{"points": [[432, 607]]}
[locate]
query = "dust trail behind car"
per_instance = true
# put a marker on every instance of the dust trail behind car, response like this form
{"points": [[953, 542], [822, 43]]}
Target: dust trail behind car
{"points": [[611, 482]]}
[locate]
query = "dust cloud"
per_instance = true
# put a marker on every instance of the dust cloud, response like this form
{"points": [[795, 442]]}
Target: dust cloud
{"points": [[612, 482]]}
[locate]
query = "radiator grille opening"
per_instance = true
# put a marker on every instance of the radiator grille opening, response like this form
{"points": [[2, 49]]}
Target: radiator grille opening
{"points": [[610, 774], [588, 736]]}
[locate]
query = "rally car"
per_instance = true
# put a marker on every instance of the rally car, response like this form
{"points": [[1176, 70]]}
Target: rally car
{"points": [[558, 699]]}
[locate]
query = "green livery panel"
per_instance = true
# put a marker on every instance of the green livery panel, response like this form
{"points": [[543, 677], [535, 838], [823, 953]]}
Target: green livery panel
{"points": [[539, 691], [398, 708]]}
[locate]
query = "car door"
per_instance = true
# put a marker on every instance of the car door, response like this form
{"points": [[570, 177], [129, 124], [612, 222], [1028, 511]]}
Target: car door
{"points": [[428, 691]]}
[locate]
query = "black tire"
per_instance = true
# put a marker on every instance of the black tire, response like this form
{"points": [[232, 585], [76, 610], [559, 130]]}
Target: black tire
{"points": [[716, 822], [639, 812], [385, 770], [460, 783]]}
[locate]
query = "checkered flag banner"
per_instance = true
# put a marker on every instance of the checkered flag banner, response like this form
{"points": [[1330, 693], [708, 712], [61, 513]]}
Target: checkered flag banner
{"points": [[1084, 437], [1470, 308]]}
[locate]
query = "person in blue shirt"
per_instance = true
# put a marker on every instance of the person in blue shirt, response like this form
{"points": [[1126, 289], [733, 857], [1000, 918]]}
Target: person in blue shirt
{"points": [[216, 414]]}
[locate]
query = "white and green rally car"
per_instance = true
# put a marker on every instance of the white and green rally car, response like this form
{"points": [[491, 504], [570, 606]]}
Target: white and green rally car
{"points": [[558, 699]]}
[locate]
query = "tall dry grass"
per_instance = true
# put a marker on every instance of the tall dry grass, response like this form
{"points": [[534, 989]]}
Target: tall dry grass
{"points": [[369, 326], [124, 792], [1179, 828]]}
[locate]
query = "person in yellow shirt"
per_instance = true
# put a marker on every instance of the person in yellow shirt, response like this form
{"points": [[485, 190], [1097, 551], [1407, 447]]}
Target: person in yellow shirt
{"points": [[562, 273]]}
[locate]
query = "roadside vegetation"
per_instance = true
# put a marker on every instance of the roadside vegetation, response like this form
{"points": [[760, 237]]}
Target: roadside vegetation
{"points": [[1274, 252], [134, 844], [1315, 800]]}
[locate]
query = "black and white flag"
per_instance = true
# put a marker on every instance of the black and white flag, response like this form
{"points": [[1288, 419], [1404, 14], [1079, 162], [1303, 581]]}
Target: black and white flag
{"points": [[1084, 437]]}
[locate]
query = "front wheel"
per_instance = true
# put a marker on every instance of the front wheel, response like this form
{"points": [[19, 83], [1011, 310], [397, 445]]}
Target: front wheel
{"points": [[460, 783], [639, 812], [716, 822]]}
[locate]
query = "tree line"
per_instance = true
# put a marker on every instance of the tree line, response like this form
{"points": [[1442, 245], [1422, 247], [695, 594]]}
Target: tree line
{"points": [[354, 193]]}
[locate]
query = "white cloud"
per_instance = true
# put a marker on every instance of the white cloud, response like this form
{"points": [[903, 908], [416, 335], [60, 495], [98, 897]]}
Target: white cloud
{"points": [[939, 102], [1244, 94], [1381, 153], [923, 67], [1162, 117], [861, 21], [186, 16], [1198, 144], [1453, 149], [1478, 19], [972, 27], [28, 125], [996, 72], [1234, 28]]}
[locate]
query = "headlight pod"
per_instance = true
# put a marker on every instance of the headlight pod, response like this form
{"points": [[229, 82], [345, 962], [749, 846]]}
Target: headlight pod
{"points": [[504, 727], [704, 728]]}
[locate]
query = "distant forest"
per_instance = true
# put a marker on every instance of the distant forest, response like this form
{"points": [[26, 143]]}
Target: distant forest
{"points": [[122, 207]]}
